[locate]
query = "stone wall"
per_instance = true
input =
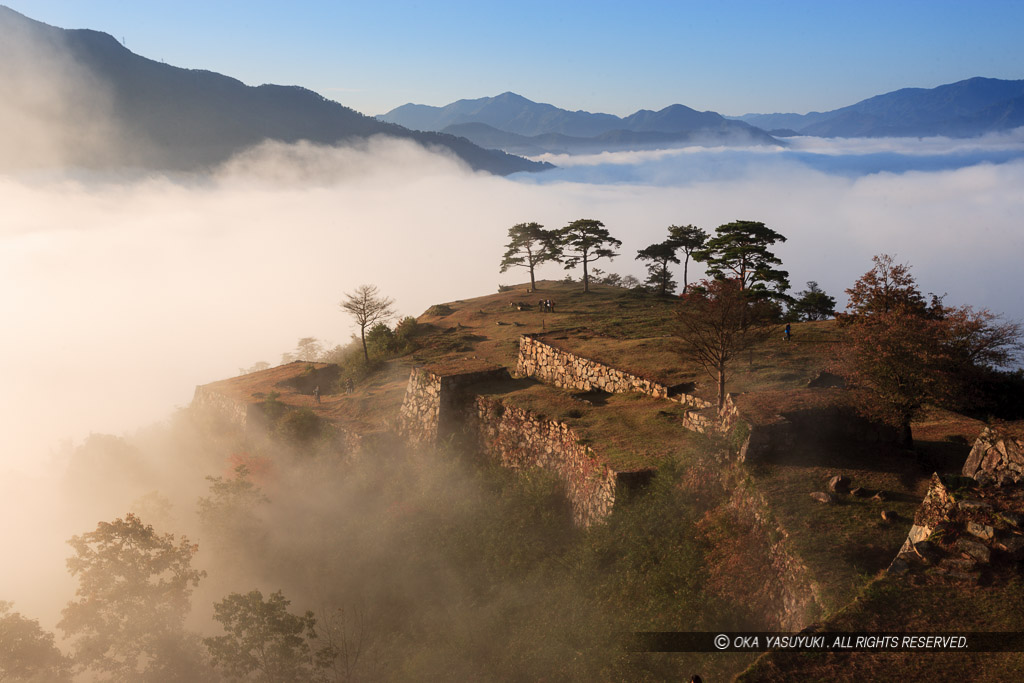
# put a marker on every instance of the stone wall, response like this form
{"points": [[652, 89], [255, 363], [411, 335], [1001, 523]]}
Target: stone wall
{"points": [[517, 438], [213, 402], [997, 455], [436, 397], [555, 366], [788, 582]]}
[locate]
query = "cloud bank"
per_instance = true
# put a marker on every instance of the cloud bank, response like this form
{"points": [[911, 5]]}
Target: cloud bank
{"points": [[120, 296]]}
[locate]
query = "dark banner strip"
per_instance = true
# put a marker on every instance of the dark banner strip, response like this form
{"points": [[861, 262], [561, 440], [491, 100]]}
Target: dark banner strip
{"points": [[824, 641]]}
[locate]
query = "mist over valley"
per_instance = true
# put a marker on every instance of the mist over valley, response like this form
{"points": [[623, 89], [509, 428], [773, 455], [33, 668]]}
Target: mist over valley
{"points": [[147, 249]]}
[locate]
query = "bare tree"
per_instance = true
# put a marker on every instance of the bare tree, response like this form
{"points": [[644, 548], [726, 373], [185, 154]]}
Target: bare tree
{"points": [[368, 307]]}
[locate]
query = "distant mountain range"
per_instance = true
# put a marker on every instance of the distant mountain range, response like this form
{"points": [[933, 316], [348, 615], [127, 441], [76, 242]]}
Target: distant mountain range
{"points": [[963, 109], [515, 124], [520, 126], [74, 87]]}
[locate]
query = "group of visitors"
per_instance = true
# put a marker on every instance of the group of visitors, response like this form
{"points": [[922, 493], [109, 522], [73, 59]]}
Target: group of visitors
{"points": [[547, 305]]}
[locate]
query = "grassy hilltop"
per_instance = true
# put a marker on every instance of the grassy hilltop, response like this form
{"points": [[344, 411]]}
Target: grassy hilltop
{"points": [[839, 550]]}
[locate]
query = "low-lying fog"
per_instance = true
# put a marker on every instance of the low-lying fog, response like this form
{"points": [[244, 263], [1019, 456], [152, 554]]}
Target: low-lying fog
{"points": [[119, 296]]}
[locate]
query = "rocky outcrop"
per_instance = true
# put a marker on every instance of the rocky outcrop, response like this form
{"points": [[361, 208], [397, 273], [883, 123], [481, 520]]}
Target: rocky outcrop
{"points": [[963, 528], [555, 366], [997, 456]]}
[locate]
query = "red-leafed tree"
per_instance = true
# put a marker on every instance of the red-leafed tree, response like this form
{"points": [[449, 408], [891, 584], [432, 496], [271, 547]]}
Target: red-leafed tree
{"points": [[901, 354], [716, 321]]}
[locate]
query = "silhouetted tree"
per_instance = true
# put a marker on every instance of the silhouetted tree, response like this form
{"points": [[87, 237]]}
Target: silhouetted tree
{"points": [[740, 250], [133, 595], [658, 256], [718, 320], [691, 240], [585, 241], [27, 652], [813, 304], [263, 638], [368, 307], [530, 245]]}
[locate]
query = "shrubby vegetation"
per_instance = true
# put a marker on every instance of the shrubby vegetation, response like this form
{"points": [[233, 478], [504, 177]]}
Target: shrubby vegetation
{"points": [[399, 566]]}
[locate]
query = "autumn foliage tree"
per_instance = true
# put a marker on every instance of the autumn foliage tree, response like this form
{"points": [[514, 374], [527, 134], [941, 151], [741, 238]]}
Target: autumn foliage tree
{"points": [[902, 353], [716, 321]]}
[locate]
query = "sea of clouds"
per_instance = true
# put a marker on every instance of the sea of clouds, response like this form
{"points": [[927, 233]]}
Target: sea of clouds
{"points": [[120, 294]]}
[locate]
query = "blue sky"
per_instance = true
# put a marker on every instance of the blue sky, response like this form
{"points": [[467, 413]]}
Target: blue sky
{"points": [[733, 57]]}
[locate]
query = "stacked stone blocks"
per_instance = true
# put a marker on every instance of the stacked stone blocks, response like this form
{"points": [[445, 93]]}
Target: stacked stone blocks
{"points": [[556, 366]]}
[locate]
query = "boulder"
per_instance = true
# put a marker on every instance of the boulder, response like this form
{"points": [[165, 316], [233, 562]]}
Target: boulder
{"points": [[889, 516], [859, 492], [982, 531], [998, 452], [824, 498], [880, 497]]}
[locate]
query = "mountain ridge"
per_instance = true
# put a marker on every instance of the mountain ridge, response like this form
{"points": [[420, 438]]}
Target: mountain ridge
{"points": [[526, 124], [966, 108], [166, 117]]}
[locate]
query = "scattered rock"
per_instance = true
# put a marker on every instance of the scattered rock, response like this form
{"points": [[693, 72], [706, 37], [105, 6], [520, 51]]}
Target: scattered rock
{"points": [[982, 531], [975, 550], [839, 484], [859, 492], [928, 552], [880, 497], [889, 516], [822, 497]]}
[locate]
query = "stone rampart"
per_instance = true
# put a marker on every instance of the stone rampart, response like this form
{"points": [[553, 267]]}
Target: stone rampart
{"points": [[997, 455], [213, 402], [518, 439], [553, 365], [435, 401]]}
